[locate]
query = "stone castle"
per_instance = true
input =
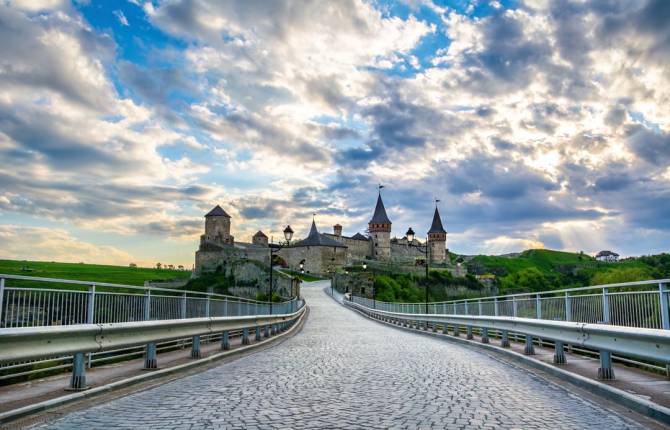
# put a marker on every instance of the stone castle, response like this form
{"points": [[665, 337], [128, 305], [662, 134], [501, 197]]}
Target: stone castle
{"points": [[319, 253]]}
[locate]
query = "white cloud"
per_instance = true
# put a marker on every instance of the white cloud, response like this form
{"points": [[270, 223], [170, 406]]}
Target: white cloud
{"points": [[122, 18], [50, 244]]}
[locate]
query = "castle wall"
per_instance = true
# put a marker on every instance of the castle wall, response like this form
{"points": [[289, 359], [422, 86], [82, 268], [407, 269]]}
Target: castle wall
{"points": [[356, 249], [404, 252], [318, 259], [209, 260]]}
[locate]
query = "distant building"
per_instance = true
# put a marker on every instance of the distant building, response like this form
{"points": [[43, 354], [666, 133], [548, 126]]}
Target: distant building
{"points": [[319, 253], [607, 256]]}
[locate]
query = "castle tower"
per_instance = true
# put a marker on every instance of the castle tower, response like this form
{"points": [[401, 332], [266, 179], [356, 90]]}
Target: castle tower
{"points": [[260, 239], [380, 232], [217, 227], [437, 240], [337, 230]]}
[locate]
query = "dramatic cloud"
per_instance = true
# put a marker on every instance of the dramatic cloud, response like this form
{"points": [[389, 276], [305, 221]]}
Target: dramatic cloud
{"points": [[536, 124]]}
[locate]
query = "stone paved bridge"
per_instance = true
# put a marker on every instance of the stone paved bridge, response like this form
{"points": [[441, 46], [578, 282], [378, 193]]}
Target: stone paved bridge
{"points": [[345, 371]]}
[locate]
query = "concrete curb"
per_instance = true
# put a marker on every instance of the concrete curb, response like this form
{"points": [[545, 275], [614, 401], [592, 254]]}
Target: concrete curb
{"points": [[8, 416], [631, 401]]}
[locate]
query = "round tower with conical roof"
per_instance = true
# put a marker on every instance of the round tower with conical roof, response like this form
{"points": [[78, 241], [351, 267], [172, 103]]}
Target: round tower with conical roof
{"points": [[437, 240], [217, 227], [380, 232]]}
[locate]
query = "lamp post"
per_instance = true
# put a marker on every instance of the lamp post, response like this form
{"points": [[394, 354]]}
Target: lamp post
{"points": [[423, 249], [288, 234]]}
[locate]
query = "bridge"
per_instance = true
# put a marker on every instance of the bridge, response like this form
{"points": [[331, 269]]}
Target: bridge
{"points": [[343, 362]]}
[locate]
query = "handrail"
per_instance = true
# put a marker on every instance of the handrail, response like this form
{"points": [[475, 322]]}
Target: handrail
{"points": [[540, 293], [134, 287]]}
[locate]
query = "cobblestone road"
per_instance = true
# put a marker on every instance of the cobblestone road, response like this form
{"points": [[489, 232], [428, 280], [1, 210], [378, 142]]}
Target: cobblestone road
{"points": [[345, 371]]}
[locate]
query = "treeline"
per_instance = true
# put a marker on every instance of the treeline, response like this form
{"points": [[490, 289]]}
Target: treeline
{"points": [[635, 269], [412, 288]]}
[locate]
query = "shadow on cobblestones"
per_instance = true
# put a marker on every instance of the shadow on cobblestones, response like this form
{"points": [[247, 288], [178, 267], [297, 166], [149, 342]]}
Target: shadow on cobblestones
{"points": [[345, 371]]}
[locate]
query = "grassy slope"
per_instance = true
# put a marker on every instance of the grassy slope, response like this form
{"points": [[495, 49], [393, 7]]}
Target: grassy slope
{"points": [[90, 272], [543, 259]]}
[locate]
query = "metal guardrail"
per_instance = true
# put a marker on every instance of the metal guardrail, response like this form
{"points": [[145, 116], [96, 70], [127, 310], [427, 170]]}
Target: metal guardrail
{"points": [[26, 343], [102, 302], [643, 343], [28, 301], [631, 304]]}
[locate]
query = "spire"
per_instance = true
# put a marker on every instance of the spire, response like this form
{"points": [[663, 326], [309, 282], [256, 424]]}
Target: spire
{"points": [[314, 238], [380, 216], [313, 231], [436, 227]]}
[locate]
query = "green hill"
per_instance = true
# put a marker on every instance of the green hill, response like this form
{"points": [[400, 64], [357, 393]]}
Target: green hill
{"points": [[544, 259], [543, 269], [88, 272]]}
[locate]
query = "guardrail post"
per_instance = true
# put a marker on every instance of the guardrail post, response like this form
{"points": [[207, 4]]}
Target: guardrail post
{"points": [[195, 347], [245, 336], [662, 296], [207, 307], [183, 306], [258, 333], [78, 378], [266, 331], [457, 330], [90, 311], [225, 340], [514, 307], [538, 307], [663, 301], [2, 296], [605, 370], [469, 336], [529, 349], [466, 308], [496, 310], [150, 360], [479, 305], [445, 329], [568, 306], [147, 305], [485, 335], [559, 353], [606, 307], [504, 339]]}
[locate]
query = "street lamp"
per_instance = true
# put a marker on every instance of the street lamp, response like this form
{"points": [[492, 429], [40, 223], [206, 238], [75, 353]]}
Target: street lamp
{"points": [[423, 249], [288, 235]]}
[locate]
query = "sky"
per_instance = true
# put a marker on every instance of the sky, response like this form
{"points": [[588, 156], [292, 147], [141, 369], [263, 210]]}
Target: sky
{"points": [[536, 123]]}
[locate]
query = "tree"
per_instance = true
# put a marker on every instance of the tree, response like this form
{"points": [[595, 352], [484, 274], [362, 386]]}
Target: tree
{"points": [[132, 265], [615, 276], [528, 279], [158, 266]]}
